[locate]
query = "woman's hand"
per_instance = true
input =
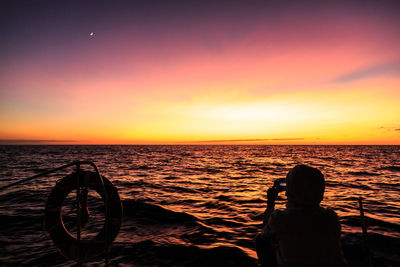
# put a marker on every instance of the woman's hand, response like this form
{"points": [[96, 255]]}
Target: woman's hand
{"points": [[272, 195]]}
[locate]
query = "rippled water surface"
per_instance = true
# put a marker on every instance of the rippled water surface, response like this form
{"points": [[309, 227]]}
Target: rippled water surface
{"points": [[198, 204]]}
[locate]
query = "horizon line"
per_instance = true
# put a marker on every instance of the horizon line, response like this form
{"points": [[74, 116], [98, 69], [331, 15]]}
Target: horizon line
{"points": [[252, 141], [197, 144]]}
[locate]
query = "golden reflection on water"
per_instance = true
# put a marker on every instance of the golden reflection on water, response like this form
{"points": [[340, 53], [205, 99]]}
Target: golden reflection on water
{"points": [[224, 187], [230, 182]]}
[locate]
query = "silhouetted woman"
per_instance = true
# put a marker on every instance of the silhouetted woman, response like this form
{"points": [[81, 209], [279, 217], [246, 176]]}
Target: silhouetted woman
{"points": [[304, 234]]}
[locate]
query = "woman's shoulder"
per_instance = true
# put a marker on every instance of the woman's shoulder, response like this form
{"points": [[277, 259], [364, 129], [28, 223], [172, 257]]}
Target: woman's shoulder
{"points": [[329, 212], [282, 215]]}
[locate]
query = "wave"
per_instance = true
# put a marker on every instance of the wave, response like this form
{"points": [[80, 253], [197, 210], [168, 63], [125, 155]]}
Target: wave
{"points": [[391, 168], [363, 173], [149, 253], [213, 204], [383, 249], [370, 222], [390, 186], [178, 189], [141, 167], [24, 196], [205, 170], [223, 222], [356, 185], [170, 178], [151, 214], [10, 221]]}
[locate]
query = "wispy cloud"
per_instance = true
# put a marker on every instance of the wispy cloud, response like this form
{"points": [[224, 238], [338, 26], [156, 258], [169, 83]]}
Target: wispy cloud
{"points": [[389, 68], [248, 140], [389, 128], [32, 141]]}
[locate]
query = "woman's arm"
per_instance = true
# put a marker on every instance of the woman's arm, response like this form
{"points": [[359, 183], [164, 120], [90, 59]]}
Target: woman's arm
{"points": [[272, 194]]}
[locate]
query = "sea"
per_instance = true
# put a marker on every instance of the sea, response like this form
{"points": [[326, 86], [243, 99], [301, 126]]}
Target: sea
{"points": [[197, 205]]}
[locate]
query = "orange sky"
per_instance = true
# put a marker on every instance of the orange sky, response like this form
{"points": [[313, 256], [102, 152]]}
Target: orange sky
{"points": [[259, 75]]}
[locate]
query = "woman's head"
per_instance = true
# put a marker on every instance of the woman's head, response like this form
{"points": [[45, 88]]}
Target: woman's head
{"points": [[305, 186]]}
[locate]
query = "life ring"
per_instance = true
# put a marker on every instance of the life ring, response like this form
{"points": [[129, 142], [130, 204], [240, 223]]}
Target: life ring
{"points": [[67, 244]]}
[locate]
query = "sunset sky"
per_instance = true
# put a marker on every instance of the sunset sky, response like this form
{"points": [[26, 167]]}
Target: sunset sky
{"points": [[169, 72]]}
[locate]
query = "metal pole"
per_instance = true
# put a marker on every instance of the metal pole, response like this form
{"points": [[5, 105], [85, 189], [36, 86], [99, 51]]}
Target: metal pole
{"points": [[106, 211], [364, 231], [78, 209]]}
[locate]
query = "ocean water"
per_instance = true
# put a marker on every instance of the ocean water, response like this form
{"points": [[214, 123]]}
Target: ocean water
{"points": [[197, 205]]}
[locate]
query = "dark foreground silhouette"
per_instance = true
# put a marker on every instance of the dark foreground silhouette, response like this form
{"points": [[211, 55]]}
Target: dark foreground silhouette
{"points": [[304, 234]]}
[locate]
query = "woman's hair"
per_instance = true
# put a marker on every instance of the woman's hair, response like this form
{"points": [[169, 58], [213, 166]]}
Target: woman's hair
{"points": [[305, 186]]}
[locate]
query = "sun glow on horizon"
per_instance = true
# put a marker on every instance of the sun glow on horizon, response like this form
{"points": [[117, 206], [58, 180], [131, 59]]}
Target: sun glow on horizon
{"points": [[250, 75]]}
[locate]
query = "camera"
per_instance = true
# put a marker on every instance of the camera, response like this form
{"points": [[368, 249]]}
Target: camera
{"points": [[280, 184]]}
